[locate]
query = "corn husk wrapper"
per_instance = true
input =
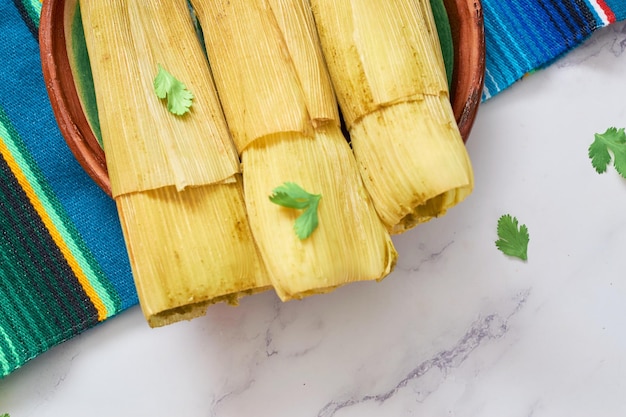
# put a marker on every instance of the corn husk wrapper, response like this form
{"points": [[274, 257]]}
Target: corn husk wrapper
{"points": [[176, 180], [387, 70], [280, 107]]}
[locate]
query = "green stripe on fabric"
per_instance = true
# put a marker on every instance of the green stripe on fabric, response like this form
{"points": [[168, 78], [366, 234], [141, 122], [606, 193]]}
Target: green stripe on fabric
{"points": [[21, 322], [35, 271], [27, 261], [54, 209], [7, 347], [40, 301], [33, 8]]}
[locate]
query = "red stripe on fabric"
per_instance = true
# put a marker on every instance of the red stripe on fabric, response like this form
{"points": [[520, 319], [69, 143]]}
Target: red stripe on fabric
{"points": [[607, 11]]}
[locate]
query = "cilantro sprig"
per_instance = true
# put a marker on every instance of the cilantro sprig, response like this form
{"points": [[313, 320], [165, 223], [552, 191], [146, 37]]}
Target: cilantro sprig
{"points": [[179, 99], [291, 195], [613, 141], [512, 239]]}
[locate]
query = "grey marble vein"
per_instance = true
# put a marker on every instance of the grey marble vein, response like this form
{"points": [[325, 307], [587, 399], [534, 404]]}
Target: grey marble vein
{"points": [[484, 329], [432, 257], [216, 403], [611, 39]]}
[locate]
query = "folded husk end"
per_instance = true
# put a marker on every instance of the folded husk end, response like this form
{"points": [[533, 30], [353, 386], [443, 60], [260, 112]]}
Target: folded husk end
{"points": [[193, 310], [350, 244], [190, 249], [413, 161]]}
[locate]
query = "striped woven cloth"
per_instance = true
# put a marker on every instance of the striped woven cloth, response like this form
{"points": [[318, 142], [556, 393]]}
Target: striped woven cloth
{"points": [[522, 36], [63, 265]]}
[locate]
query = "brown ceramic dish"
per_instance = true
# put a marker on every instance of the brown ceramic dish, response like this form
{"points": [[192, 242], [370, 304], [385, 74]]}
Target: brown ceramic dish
{"points": [[67, 83]]}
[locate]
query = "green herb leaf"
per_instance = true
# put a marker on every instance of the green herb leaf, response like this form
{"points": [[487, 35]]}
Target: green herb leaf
{"points": [[5, 415], [513, 241], [613, 140], [178, 97], [291, 195]]}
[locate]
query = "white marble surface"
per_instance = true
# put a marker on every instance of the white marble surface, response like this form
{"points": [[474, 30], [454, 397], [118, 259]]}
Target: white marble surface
{"points": [[457, 330]]}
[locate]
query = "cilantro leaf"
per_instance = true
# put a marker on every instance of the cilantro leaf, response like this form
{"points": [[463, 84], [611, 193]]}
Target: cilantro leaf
{"points": [[291, 195], [178, 97], [308, 221], [513, 241], [613, 141]]}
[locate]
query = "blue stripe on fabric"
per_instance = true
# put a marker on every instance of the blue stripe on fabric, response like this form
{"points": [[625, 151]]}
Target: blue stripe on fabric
{"points": [[585, 19], [558, 25], [563, 25], [504, 37], [596, 16], [29, 20], [618, 7], [90, 209], [534, 47], [588, 14], [521, 37], [502, 66], [501, 74], [573, 18]]}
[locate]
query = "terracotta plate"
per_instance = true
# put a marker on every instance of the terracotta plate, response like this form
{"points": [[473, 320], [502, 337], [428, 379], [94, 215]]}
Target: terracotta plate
{"points": [[70, 87]]}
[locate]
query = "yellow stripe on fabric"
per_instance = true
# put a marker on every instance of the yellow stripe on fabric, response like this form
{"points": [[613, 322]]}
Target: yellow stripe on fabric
{"points": [[94, 296], [19, 154]]}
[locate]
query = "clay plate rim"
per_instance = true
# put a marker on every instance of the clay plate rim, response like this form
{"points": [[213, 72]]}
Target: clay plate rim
{"points": [[466, 20]]}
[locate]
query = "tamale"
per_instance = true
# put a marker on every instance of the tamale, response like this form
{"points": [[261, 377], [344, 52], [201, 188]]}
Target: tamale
{"points": [[176, 180], [282, 112], [387, 69]]}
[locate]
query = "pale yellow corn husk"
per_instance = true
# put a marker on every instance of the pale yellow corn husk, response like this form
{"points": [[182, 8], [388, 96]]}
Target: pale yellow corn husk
{"points": [[239, 36], [198, 145], [189, 249], [269, 77], [190, 150], [297, 27], [387, 70], [184, 218], [423, 172], [113, 62], [350, 243]]}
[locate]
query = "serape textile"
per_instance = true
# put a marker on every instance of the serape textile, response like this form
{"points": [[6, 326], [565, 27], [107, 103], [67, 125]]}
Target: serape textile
{"points": [[63, 264]]}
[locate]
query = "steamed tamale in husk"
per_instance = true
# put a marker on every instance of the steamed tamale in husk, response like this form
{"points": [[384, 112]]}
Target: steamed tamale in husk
{"points": [[282, 112], [176, 180], [387, 69]]}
